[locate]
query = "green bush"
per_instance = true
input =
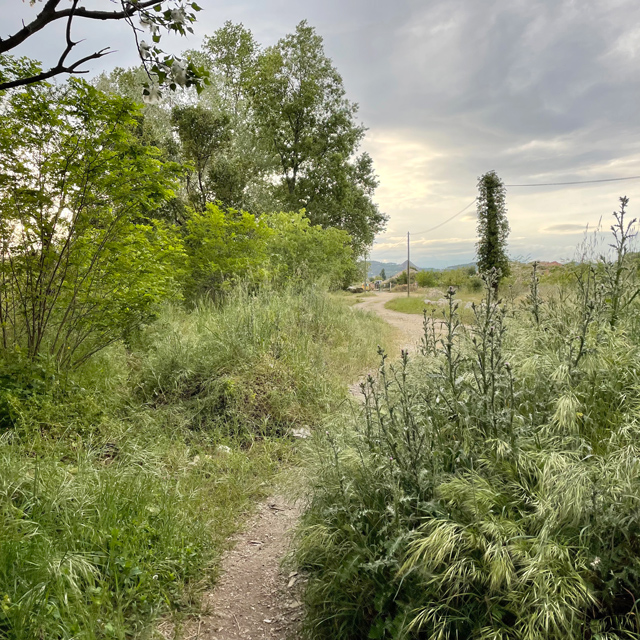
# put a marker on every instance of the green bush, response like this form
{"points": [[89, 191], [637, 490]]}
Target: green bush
{"points": [[120, 483], [490, 488]]}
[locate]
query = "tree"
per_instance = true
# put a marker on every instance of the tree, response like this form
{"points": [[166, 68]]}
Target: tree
{"points": [[231, 53], [303, 116], [224, 247], [171, 16], [203, 135], [81, 264], [383, 275], [299, 249], [493, 226]]}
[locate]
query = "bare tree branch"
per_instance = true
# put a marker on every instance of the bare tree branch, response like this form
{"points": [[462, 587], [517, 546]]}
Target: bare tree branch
{"points": [[49, 15]]}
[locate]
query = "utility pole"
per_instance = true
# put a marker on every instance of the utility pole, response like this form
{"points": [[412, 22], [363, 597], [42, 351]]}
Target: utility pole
{"points": [[366, 272], [408, 267]]}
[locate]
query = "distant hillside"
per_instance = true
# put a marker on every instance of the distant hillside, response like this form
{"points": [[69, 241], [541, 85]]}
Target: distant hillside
{"points": [[391, 268]]}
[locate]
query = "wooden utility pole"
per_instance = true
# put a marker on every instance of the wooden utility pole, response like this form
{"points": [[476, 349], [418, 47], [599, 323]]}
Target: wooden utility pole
{"points": [[366, 271], [408, 267]]}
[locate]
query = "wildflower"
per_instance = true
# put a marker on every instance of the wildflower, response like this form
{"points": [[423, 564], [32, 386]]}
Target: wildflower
{"points": [[596, 563]]}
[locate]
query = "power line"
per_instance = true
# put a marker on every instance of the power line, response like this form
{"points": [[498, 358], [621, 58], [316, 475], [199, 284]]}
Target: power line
{"points": [[455, 215], [559, 184], [534, 184]]}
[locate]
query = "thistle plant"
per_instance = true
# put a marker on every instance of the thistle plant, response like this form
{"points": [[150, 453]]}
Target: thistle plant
{"points": [[429, 340], [620, 283], [534, 301]]}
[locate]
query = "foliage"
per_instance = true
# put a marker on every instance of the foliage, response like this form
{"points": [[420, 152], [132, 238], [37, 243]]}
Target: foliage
{"points": [[308, 252], [493, 227], [427, 278], [462, 278], [232, 53], [81, 265], [203, 137], [301, 111], [273, 131], [224, 247], [120, 484], [490, 487]]}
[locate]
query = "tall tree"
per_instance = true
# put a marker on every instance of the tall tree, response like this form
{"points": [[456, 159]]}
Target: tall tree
{"points": [[493, 226], [203, 135], [302, 114], [231, 53]]}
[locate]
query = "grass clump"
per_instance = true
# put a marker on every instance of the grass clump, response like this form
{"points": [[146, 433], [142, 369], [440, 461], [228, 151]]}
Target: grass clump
{"points": [[121, 483], [490, 487]]}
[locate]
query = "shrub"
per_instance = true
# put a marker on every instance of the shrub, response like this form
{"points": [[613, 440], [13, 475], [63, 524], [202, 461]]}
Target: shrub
{"points": [[490, 488]]}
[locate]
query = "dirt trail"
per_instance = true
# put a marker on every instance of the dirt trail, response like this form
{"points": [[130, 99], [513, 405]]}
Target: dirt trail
{"points": [[255, 598], [409, 324]]}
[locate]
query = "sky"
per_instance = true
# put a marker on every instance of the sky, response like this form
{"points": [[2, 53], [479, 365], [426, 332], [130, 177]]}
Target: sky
{"points": [[538, 90]]}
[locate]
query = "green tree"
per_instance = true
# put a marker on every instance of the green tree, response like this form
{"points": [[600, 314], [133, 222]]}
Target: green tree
{"points": [[231, 54], [299, 249], [427, 278], [383, 275], [493, 226], [203, 135], [302, 114], [224, 246], [81, 265]]}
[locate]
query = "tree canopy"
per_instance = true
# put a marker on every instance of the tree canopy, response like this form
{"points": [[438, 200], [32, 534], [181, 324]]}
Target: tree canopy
{"points": [[273, 131]]}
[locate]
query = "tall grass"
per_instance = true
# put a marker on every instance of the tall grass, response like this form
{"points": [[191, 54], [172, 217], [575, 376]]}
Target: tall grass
{"points": [[490, 489], [120, 486]]}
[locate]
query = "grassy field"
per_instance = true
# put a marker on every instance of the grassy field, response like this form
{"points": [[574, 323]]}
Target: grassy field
{"points": [[120, 485], [415, 304]]}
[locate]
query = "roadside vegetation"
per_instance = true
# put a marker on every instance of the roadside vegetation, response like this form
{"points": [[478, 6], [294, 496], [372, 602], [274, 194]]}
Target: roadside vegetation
{"points": [[489, 489], [166, 326]]}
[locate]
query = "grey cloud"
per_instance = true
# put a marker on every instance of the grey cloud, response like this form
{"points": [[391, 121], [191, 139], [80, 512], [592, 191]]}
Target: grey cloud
{"points": [[567, 228], [539, 90]]}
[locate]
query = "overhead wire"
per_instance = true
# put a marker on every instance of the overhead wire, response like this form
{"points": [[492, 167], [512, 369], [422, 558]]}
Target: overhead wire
{"points": [[455, 215], [560, 184], [532, 184]]}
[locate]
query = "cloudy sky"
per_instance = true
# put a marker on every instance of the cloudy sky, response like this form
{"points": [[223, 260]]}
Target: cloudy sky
{"points": [[539, 90]]}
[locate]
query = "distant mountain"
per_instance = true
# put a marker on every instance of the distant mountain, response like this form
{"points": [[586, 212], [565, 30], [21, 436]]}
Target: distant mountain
{"points": [[391, 269], [459, 266]]}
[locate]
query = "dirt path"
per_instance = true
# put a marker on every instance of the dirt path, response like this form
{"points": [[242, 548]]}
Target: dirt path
{"points": [[409, 324], [255, 598]]}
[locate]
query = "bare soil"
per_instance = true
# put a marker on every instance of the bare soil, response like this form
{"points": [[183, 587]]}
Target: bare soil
{"points": [[409, 325], [256, 598]]}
